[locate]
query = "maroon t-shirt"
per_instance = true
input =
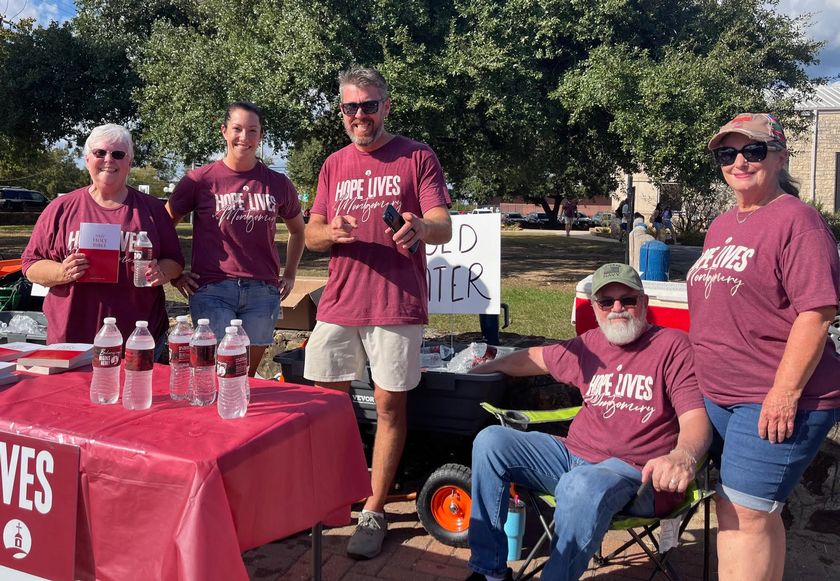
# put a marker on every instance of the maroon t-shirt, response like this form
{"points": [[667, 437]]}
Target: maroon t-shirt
{"points": [[235, 220], [372, 281], [633, 396], [745, 291], [75, 311]]}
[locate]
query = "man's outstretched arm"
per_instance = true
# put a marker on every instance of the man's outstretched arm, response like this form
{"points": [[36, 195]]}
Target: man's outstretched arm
{"points": [[522, 363]]}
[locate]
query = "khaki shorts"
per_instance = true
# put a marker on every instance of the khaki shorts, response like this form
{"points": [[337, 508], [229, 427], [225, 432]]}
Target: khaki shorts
{"points": [[338, 353]]}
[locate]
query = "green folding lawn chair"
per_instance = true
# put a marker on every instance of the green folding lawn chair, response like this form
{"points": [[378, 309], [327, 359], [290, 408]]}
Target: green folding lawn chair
{"points": [[640, 529]]}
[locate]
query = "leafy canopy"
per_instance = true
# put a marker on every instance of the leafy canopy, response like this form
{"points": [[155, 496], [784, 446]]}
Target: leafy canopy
{"points": [[534, 98]]}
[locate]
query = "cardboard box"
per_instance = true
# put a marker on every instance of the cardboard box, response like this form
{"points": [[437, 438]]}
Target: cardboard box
{"points": [[300, 306]]}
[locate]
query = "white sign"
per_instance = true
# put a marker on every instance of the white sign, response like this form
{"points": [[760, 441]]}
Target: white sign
{"points": [[464, 275]]}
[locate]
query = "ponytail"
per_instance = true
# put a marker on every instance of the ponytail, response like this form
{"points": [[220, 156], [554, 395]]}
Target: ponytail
{"points": [[788, 184]]}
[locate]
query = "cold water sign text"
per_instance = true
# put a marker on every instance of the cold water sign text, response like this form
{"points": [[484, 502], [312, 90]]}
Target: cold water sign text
{"points": [[463, 275], [39, 481]]}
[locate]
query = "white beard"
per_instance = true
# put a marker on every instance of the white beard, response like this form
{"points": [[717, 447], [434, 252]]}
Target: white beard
{"points": [[623, 333]]}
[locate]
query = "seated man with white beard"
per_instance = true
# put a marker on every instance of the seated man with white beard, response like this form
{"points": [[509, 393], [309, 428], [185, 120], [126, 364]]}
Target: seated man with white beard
{"points": [[642, 421]]}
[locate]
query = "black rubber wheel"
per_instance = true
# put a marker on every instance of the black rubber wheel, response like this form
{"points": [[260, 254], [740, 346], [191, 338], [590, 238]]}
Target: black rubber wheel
{"points": [[444, 504]]}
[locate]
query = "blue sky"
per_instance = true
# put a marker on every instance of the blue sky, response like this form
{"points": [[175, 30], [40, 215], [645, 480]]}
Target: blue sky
{"points": [[825, 19]]}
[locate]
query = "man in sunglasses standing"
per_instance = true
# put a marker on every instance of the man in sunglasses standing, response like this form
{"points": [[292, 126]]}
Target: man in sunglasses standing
{"points": [[642, 421], [375, 304]]}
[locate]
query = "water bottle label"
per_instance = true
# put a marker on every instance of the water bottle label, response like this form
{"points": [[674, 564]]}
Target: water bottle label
{"points": [[232, 365], [139, 359], [142, 253], [106, 356], [202, 355], [179, 353]]}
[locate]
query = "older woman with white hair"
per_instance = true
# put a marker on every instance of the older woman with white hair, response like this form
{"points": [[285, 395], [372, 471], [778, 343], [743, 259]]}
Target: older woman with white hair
{"points": [[75, 306]]}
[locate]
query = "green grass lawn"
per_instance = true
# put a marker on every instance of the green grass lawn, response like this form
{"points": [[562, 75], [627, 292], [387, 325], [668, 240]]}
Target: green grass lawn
{"points": [[534, 310]]}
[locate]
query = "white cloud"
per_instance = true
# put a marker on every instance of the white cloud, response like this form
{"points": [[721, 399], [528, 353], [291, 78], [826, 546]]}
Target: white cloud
{"points": [[825, 16], [42, 11]]}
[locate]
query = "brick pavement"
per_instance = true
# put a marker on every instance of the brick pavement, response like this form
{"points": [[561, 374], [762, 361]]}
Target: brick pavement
{"points": [[410, 554]]}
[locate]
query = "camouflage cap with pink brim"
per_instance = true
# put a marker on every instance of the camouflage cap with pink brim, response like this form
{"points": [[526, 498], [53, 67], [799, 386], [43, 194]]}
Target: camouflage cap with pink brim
{"points": [[762, 127]]}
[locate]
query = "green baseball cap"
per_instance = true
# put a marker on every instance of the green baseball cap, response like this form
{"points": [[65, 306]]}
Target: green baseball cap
{"points": [[616, 272]]}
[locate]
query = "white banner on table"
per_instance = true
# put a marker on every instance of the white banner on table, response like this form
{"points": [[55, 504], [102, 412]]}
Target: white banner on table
{"points": [[464, 274]]}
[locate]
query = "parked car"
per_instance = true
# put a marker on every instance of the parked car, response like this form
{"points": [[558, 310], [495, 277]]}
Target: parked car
{"points": [[21, 200], [602, 218], [536, 220], [581, 221], [512, 218], [484, 211]]}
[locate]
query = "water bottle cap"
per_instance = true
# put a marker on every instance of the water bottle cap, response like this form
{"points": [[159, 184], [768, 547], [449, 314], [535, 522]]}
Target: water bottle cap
{"points": [[110, 320], [204, 321], [181, 318], [143, 324], [236, 322], [231, 330]]}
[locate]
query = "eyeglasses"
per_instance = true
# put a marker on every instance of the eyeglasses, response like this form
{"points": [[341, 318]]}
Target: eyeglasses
{"points": [[752, 152], [607, 303], [367, 107], [101, 153]]}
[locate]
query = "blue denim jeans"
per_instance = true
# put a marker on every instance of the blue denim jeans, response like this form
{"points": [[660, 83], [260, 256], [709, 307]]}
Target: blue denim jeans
{"points": [[588, 496], [256, 302]]}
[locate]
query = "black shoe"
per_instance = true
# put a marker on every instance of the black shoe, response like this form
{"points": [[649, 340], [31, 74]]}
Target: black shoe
{"points": [[482, 577]]}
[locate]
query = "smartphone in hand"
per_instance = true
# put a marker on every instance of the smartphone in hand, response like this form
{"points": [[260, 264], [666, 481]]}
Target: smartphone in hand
{"points": [[395, 221]]}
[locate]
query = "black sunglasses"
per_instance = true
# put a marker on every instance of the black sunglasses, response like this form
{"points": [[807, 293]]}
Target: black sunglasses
{"points": [[607, 303], [367, 107], [101, 153], [752, 152]]}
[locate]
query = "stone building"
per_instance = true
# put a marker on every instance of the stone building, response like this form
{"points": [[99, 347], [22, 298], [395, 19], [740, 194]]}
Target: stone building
{"points": [[815, 153], [818, 157]]}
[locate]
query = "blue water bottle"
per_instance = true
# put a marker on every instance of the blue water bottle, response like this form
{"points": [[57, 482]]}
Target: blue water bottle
{"points": [[515, 528]]}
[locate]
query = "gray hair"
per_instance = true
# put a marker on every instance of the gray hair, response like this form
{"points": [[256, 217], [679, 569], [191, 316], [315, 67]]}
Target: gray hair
{"points": [[363, 77], [113, 133], [788, 184]]}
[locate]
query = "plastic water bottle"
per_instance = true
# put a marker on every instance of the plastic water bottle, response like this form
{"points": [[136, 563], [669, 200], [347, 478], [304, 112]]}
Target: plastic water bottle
{"points": [[179, 359], [232, 374], [107, 348], [203, 363], [142, 256], [139, 361], [246, 341]]}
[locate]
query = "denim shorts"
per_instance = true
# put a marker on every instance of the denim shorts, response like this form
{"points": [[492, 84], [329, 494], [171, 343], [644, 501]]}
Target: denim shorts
{"points": [[753, 472], [256, 302]]}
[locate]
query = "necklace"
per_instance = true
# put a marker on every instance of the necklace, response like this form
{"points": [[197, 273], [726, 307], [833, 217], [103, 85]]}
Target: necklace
{"points": [[741, 220], [747, 215]]}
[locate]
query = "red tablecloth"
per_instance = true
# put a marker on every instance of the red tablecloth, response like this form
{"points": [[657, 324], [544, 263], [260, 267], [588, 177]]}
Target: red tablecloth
{"points": [[175, 492]]}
